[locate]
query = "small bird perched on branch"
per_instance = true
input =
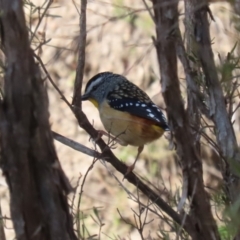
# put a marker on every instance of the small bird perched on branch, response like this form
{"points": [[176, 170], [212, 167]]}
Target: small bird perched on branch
{"points": [[125, 111]]}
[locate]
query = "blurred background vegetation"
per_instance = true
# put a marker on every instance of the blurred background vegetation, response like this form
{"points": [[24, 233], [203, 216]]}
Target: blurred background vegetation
{"points": [[119, 39]]}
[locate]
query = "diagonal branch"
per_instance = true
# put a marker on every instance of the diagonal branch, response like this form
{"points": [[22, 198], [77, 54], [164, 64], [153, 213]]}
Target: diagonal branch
{"points": [[108, 156], [75, 145]]}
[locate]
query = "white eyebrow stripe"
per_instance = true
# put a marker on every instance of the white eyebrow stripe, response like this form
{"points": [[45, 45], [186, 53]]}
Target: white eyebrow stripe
{"points": [[93, 84]]}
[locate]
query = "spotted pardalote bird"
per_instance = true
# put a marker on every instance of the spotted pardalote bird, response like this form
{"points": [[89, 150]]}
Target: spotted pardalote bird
{"points": [[125, 110]]}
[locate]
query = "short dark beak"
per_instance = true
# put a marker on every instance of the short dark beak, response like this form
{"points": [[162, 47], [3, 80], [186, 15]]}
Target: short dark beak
{"points": [[84, 97]]}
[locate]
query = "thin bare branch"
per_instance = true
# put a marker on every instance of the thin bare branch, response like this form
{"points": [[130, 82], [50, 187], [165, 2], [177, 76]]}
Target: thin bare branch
{"points": [[41, 17], [80, 198], [52, 81], [81, 56], [149, 10], [2, 232], [75, 145]]}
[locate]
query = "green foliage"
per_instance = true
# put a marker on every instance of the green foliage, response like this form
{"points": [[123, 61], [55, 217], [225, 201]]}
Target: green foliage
{"points": [[224, 233], [227, 67], [136, 18], [124, 13]]}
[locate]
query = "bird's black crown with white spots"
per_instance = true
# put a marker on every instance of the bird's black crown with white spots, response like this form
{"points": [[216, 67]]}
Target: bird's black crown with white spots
{"points": [[123, 95]]}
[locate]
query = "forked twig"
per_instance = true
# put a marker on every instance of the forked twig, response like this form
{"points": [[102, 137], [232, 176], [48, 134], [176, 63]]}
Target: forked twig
{"points": [[41, 18], [80, 196]]}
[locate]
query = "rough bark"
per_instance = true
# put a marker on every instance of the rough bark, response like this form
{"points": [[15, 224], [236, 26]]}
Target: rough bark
{"points": [[198, 27], [166, 20], [236, 6], [37, 184], [81, 55]]}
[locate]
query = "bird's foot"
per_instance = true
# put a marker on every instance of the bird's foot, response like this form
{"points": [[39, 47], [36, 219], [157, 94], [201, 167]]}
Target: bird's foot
{"points": [[100, 134], [110, 137], [129, 170]]}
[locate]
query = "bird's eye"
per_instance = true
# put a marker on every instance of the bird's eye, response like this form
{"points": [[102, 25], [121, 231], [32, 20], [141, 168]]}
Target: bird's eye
{"points": [[94, 88]]}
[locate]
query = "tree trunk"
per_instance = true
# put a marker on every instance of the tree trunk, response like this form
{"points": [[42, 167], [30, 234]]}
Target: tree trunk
{"points": [[37, 184], [166, 20]]}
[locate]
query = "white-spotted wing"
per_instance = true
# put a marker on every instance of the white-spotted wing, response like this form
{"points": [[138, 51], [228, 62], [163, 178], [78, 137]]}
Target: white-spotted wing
{"points": [[147, 110]]}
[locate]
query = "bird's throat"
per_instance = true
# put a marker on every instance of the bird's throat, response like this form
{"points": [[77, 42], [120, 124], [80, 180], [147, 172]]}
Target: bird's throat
{"points": [[94, 102]]}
